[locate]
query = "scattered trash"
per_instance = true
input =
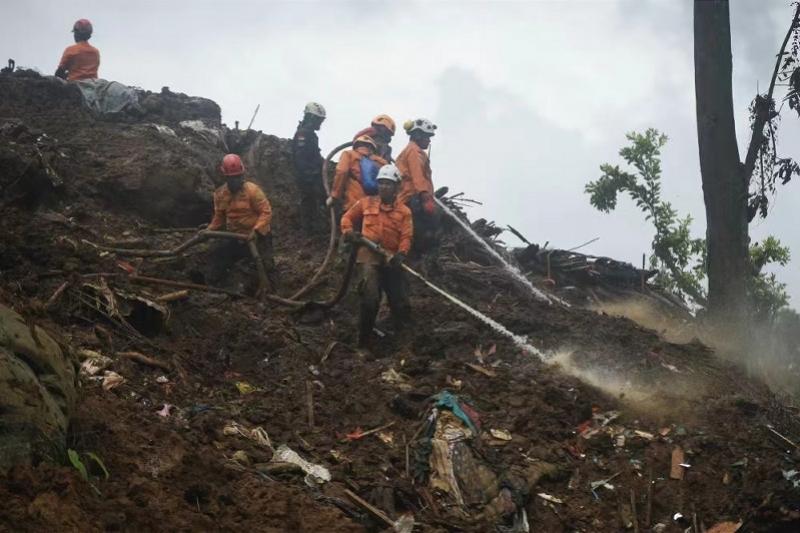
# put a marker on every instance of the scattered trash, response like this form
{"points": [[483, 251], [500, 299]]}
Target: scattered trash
{"points": [[94, 364], [481, 355], [245, 388], [500, 434], [258, 434], [404, 524], [594, 485], [241, 457], [111, 380], [644, 434], [671, 368], [386, 437], [677, 470], [394, 377], [314, 370], [165, 411], [549, 498], [619, 442], [792, 476], [162, 379], [315, 474], [455, 383], [664, 431], [725, 527]]}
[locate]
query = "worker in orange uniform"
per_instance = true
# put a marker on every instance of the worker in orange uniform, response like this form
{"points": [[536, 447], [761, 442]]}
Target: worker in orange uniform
{"points": [[356, 174], [385, 221], [416, 189], [381, 131], [240, 207], [81, 60]]}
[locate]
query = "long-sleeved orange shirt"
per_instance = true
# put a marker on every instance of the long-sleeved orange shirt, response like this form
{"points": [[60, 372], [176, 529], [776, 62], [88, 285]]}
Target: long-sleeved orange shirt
{"points": [[81, 61], [243, 212], [347, 181], [390, 226], [415, 167]]}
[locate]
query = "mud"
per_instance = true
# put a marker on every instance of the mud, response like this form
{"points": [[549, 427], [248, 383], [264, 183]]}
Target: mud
{"points": [[177, 472]]}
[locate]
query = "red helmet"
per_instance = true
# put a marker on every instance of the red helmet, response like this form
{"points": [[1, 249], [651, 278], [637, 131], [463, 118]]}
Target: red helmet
{"points": [[82, 26], [232, 165]]}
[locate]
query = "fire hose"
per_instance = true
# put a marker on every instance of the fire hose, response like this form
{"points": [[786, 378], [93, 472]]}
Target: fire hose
{"points": [[519, 340]]}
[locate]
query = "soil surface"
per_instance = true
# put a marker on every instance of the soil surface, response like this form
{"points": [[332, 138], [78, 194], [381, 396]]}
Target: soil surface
{"points": [[238, 360]]}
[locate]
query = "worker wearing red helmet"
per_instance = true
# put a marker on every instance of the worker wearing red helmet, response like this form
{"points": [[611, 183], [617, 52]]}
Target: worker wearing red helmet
{"points": [[81, 60], [381, 131], [240, 207]]}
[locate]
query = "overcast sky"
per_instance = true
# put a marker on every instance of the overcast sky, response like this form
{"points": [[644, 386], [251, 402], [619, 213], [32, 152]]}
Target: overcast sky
{"points": [[530, 97]]}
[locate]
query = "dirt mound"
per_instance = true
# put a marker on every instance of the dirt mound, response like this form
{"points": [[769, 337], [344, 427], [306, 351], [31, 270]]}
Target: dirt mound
{"points": [[615, 407]]}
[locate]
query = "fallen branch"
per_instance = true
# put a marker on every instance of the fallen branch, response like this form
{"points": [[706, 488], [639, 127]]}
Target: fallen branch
{"points": [[145, 360], [172, 296], [56, 295], [480, 369]]}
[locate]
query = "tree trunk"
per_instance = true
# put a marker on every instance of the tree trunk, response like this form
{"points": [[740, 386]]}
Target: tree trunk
{"points": [[724, 185]]}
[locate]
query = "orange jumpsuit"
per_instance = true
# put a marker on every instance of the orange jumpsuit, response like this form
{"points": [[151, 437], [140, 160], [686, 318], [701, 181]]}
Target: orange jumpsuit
{"points": [[81, 61], [415, 167], [247, 210], [347, 181]]}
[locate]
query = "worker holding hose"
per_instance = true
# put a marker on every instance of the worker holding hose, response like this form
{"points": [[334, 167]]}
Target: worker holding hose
{"points": [[240, 207], [416, 189], [307, 162], [387, 222], [381, 131], [356, 174]]}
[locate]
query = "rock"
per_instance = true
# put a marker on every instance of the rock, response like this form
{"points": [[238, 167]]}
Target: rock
{"points": [[37, 392]]}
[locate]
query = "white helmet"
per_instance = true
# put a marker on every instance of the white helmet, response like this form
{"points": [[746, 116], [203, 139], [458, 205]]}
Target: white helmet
{"points": [[421, 124], [389, 172], [313, 108]]}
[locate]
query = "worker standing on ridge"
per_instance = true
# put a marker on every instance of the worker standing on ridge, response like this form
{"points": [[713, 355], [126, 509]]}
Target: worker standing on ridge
{"points": [[381, 131], [356, 174], [416, 190], [385, 221], [241, 207], [307, 161], [81, 60]]}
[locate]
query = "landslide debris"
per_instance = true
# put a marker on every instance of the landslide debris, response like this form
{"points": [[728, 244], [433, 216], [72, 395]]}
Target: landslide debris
{"points": [[577, 446]]}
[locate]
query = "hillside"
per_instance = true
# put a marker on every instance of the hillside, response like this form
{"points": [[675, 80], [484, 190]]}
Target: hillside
{"points": [[612, 401]]}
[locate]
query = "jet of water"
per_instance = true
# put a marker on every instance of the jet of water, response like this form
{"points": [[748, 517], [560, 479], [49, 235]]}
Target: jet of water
{"points": [[514, 271], [518, 340]]}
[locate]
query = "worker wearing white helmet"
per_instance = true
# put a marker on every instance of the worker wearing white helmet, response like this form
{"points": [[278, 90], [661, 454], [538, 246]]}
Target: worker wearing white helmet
{"points": [[416, 189], [388, 222], [307, 160]]}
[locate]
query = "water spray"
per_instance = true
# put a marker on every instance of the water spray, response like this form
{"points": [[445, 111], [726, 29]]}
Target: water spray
{"points": [[514, 271]]}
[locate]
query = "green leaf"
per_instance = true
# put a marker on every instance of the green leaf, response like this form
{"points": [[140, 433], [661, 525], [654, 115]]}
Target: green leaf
{"points": [[75, 459], [93, 456]]}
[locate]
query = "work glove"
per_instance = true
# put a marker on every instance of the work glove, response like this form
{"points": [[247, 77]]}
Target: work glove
{"points": [[331, 201], [397, 259], [427, 202], [352, 237]]}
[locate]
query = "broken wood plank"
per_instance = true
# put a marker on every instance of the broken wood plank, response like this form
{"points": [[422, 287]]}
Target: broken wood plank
{"points": [[369, 507], [676, 470], [173, 296], [145, 360], [481, 370]]}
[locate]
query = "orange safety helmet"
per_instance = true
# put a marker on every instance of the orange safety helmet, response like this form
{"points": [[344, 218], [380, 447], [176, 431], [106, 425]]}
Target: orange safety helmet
{"points": [[384, 120], [232, 165], [82, 26], [365, 139]]}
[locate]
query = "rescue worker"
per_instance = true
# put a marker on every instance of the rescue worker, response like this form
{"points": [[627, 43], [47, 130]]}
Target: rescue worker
{"points": [[349, 182], [381, 131], [307, 161], [385, 221], [416, 189], [81, 60], [240, 207]]}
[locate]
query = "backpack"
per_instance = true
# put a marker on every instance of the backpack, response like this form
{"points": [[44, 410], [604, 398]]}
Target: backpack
{"points": [[369, 176]]}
